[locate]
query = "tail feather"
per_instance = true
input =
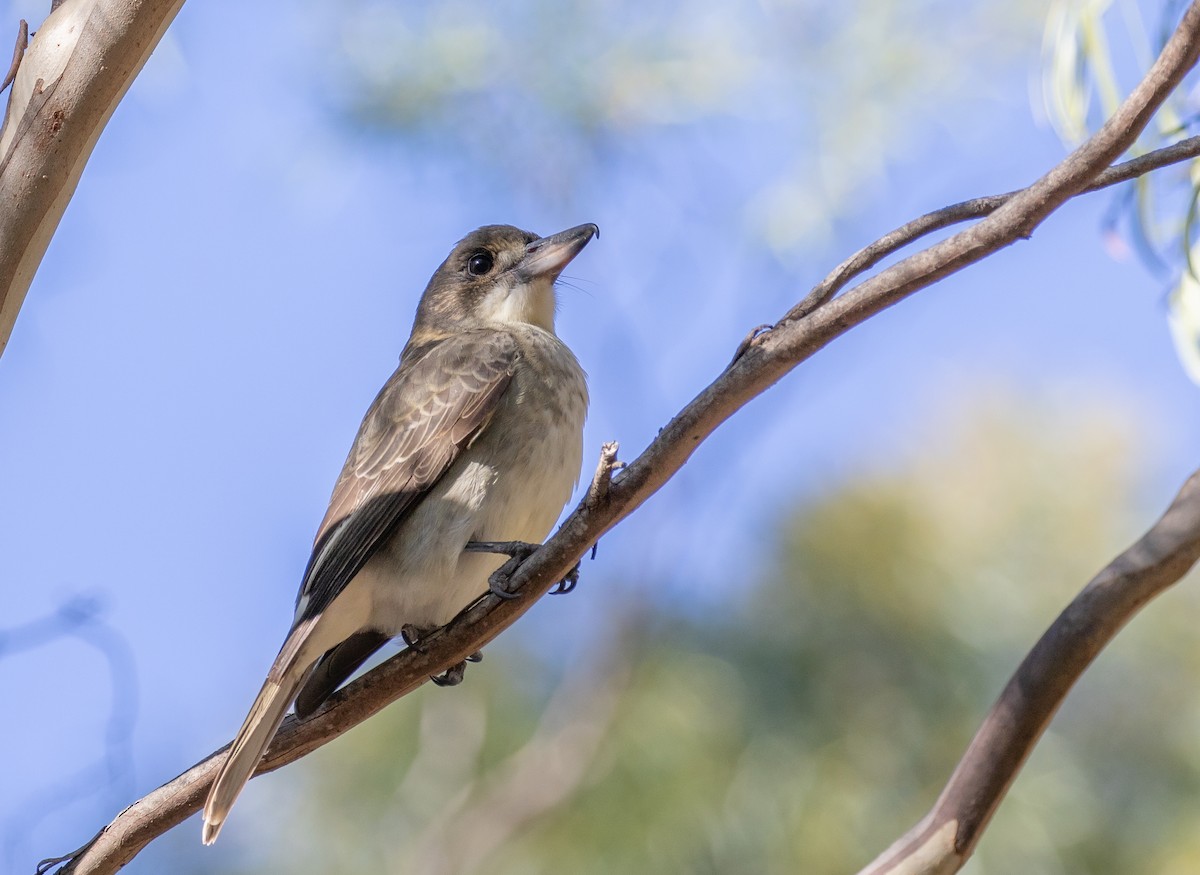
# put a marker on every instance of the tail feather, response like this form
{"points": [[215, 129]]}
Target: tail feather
{"points": [[335, 667], [261, 724]]}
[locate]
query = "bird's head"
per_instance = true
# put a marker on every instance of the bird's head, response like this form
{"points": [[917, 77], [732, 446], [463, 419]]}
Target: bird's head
{"points": [[498, 274]]}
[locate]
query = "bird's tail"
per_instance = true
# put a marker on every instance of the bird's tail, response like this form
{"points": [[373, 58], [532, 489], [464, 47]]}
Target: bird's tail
{"points": [[285, 678]]}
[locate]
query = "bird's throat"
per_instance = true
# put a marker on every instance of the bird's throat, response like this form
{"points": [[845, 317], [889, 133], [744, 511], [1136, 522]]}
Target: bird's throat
{"points": [[531, 303]]}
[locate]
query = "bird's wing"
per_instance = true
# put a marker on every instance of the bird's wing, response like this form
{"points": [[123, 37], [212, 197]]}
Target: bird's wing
{"points": [[424, 416]]}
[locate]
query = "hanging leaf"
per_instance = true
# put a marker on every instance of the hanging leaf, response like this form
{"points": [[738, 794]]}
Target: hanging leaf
{"points": [[1184, 319]]}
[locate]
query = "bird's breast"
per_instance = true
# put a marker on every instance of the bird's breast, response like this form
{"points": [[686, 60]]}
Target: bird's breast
{"points": [[535, 441], [510, 484]]}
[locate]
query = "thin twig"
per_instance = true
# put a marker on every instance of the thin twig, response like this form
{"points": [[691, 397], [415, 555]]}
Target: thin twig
{"points": [[976, 208], [597, 493], [18, 54]]}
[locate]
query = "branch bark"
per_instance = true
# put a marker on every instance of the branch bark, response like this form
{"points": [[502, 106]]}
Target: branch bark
{"points": [[946, 837], [72, 76], [765, 360], [976, 208]]}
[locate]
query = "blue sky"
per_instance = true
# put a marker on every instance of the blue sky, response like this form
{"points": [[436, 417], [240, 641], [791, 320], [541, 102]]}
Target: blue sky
{"points": [[236, 276]]}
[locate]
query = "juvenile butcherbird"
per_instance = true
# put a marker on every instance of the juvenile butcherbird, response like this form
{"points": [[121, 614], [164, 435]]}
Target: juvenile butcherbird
{"points": [[477, 436]]}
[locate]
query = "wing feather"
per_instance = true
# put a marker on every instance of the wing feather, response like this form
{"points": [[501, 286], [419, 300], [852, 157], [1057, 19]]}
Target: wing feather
{"points": [[420, 422]]}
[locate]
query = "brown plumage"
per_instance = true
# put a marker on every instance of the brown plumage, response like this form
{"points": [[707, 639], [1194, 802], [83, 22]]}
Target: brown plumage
{"points": [[476, 436]]}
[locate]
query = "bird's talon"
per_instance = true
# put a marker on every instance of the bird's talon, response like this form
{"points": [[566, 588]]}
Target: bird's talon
{"points": [[498, 582], [568, 583], [451, 677], [413, 635], [496, 587], [477, 656]]}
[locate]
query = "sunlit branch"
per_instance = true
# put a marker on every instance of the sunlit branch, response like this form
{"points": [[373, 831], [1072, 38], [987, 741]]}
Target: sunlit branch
{"points": [[66, 84], [976, 208]]}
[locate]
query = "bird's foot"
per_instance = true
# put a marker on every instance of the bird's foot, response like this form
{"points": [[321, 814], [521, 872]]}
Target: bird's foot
{"points": [[518, 552], [451, 677], [568, 583], [412, 635]]}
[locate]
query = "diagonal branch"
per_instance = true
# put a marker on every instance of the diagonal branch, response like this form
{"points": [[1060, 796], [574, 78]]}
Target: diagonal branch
{"points": [[946, 837], [976, 208], [766, 359]]}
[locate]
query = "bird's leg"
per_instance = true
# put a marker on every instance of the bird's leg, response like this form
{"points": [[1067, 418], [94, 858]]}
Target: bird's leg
{"points": [[412, 635], [451, 677], [518, 552]]}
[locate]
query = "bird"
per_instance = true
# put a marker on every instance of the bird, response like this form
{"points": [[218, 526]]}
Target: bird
{"points": [[477, 436]]}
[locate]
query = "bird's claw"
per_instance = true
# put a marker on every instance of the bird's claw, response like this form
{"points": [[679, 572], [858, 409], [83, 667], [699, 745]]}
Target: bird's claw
{"points": [[498, 582], [451, 677], [568, 583], [518, 552], [412, 635]]}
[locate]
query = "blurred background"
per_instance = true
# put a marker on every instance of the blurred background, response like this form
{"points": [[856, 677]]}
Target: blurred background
{"points": [[772, 666]]}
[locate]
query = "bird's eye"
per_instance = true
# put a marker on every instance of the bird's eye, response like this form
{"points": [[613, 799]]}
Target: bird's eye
{"points": [[480, 263]]}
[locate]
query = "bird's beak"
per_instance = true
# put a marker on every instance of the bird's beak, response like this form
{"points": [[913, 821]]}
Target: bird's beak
{"points": [[547, 256]]}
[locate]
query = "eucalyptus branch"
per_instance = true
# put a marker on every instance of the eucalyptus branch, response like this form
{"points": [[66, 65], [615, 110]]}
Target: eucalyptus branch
{"points": [[976, 208], [65, 85], [766, 359], [947, 835]]}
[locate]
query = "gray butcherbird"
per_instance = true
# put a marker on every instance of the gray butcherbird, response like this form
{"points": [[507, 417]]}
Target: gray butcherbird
{"points": [[478, 435]]}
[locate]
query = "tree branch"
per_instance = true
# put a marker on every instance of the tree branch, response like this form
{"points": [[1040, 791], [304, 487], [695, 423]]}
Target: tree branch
{"points": [[976, 208], [765, 360], [67, 84], [945, 838]]}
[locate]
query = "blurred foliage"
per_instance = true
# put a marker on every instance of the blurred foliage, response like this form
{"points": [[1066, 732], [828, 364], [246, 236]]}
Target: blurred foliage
{"points": [[812, 723], [546, 96], [1096, 51]]}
